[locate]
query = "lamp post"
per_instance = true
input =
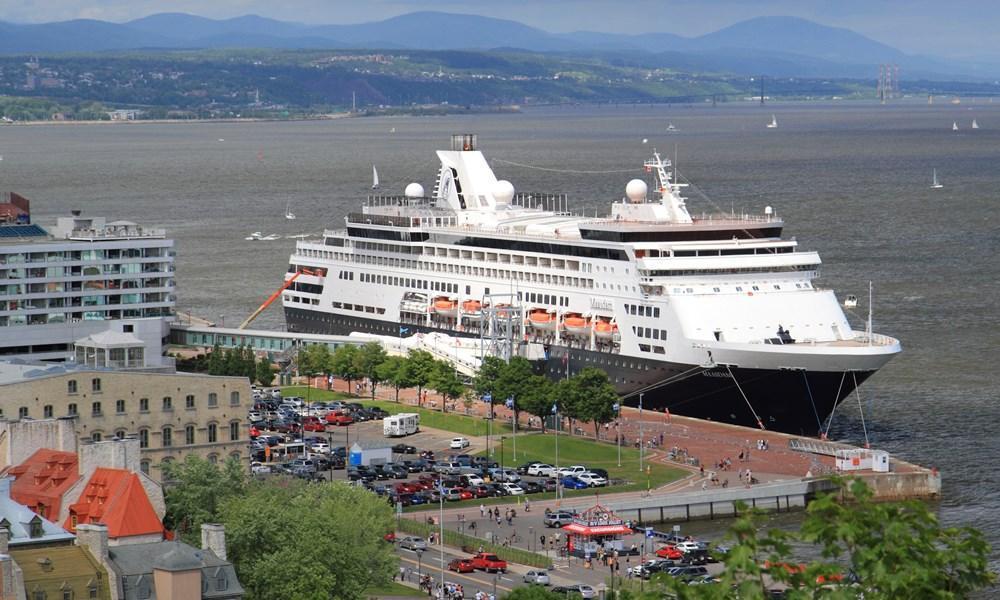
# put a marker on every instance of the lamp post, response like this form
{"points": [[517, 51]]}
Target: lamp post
{"points": [[618, 432], [555, 408], [642, 443], [503, 476], [531, 536], [441, 534]]}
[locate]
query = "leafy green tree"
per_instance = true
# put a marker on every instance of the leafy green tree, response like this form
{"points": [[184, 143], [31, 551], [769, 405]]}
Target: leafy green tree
{"points": [[344, 365], [314, 359], [538, 397], [195, 489], [565, 396], [488, 378], [264, 372], [595, 398], [396, 372], [309, 541], [515, 380], [421, 366], [445, 381], [367, 361], [216, 360]]}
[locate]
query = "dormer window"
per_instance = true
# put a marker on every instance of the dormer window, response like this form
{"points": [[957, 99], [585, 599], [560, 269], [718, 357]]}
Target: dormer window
{"points": [[35, 527]]}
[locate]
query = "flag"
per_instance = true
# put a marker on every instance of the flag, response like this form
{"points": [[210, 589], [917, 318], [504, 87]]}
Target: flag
{"points": [[616, 407], [403, 330], [488, 397], [510, 402], [555, 409]]}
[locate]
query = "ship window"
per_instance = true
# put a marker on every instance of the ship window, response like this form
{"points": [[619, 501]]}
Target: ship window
{"points": [[739, 289], [656, 334], [644, 347], [658, 350], [756, 289], [648, 333], [715, 289]]}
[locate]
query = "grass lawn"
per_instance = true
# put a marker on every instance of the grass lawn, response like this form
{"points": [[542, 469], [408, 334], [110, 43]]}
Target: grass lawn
{"points": [[577, 451], [394, 590], [454, 422]]}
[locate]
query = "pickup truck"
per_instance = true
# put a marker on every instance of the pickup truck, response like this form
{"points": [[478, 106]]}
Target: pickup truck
{"points": [[489, 562]]}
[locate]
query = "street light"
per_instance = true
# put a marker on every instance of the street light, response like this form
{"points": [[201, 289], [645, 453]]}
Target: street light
{"points": [[642, 443], [618, 432], [503, 477]]}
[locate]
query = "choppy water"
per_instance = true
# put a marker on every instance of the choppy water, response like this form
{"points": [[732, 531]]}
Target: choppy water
{"points": [[852, 181]]}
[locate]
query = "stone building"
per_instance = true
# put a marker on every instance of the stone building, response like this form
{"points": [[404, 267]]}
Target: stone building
{"points": [[171, 414]]}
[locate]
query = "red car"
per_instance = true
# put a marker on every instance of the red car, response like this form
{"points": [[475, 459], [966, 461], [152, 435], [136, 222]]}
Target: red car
{"points": [[465, 494], [407, 488], [390, 537], [489, 562], [338, 418], [313, 424], [670, 552], [461, 565]]}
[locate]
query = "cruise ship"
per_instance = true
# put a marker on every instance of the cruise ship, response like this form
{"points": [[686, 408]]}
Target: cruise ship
{"points": [[716, 317]]}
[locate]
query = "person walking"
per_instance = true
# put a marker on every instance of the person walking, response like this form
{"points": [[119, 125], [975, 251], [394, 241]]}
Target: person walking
{"points": [[482, 510]]}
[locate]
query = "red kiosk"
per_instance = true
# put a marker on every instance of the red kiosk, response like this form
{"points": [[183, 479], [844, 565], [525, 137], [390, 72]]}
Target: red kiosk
{"points": [[595, 528]]}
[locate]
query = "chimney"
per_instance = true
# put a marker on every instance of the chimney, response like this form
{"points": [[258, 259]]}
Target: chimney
{"points": [[94, 538], [213, 537], [4, 540], [109, 454], [9, 584]]}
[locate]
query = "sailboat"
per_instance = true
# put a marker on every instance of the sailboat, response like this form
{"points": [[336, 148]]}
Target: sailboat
{"points": [[288, 211], [774, 123], [935, 184], [954, 125], [374, 178], [670, 127], [974, 124]]}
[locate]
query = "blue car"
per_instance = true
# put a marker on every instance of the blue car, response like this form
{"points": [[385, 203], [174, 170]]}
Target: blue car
{"points": [[572, 483], [418, 499]]}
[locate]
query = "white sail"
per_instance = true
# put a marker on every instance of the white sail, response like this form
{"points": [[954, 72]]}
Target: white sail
{"points": [[288, 211], [954, 125], [935, 184], [774, 123], [974, 124], [374, 178]]}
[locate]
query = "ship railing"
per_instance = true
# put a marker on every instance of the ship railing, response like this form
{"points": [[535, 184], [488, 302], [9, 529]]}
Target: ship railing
{"points": [[703, 219], [117, 233], [546, 201], [398, 200], [877, 339]]}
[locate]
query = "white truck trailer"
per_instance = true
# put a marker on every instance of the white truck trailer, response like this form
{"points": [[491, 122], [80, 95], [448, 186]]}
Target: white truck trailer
{"points": [[401, 424]]}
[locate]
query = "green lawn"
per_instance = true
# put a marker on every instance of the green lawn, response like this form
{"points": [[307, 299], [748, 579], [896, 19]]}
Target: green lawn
{"points": [[453, 422], [397, 590]]}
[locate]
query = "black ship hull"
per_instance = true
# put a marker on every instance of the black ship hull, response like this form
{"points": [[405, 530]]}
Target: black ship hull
{"points": [[790, 401]]}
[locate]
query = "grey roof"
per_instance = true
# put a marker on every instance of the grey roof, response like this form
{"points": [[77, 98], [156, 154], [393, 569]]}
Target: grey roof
{"points": [[134, 563], [372, 445], [18, 518]]}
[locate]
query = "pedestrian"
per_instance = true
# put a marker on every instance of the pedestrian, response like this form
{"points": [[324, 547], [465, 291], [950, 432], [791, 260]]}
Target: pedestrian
{"points": [[527, 505], [661, 438], [472, 528], [498, 518], [482, 510]]}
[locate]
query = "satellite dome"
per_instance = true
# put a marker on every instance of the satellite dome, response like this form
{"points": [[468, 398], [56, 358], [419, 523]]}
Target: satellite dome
{"points": [[768, 210], [414, 190], [503, 192], [636, 190]]}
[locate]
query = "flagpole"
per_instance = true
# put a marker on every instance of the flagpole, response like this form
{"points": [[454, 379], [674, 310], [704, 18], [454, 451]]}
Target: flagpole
{"points": [[618, 433]]}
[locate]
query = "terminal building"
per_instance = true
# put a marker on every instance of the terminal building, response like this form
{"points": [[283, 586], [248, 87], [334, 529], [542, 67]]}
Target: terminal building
{"points": [[84, 279]]}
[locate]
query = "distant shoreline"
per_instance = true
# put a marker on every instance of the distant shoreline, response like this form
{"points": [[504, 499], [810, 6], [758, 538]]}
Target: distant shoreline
{"points": [[326, 117]]}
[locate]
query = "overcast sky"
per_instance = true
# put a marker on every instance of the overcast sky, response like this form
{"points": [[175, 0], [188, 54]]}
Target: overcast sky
{"points": [[953, 28]]}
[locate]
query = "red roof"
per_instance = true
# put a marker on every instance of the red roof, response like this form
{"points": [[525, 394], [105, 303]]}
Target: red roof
{"points": [[585, 530], [43, 479], [116, 498]]}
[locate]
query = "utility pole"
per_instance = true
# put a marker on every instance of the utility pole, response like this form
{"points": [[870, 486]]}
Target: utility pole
{"points": [[642, 442]]}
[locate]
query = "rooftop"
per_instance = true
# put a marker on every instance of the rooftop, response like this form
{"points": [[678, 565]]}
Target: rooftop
{"points": [[61, 563], [116, 498], [137, 561], [23, 522], [43, 478]]}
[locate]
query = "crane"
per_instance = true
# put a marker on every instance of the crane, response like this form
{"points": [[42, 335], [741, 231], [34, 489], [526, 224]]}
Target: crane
{"points": [[274, 296]]}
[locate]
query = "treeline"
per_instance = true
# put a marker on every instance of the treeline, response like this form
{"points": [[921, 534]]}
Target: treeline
{"points": [[234, 362], [587, 397]]}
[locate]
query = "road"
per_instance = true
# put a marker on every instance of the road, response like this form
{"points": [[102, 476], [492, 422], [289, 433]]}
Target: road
{"points": [[429, 564]]}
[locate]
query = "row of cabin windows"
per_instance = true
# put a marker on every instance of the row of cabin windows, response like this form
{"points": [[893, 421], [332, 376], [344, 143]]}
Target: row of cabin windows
{"points": [[546, 299], [647, 332], [190, 435], [359, 308], [96, 408], [643, 311], [437, 286]]}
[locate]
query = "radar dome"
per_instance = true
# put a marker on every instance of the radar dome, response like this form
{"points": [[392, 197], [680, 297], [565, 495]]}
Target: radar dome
{"points": [[768, 210], [503, 192], [636, 190], [414, 190]]}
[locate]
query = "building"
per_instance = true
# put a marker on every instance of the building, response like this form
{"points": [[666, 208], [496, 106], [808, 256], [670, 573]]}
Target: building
{"points": [[20, 527], [86, 277], [165, 570], [61, 572], [170, 414], [370, 452], [116, 499], [41, 482]]}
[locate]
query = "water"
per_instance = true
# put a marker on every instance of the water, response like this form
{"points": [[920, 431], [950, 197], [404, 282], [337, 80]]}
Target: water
{"points": [[851, 180]]}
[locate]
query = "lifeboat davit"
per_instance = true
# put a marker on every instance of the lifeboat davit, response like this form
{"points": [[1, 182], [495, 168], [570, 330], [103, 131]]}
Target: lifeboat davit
{"points": [[542, 319], [575, 324], [445, 306], [604, 329], [472, 309]]}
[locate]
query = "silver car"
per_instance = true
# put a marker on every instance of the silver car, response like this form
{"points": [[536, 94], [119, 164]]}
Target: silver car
{"points": [[417, 544], [537, 577]]}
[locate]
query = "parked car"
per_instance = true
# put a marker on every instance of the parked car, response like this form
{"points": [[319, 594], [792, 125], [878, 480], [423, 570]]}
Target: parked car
{"points": [[550, 485], [578, 589], [459, 443], [537, 577], [592, 479], [461, 565], [558, 518], [313, 424], [572, 483], [504, 475], [531, 487], [687, 571], [257, 468], [472, 480], [338, 418], [572, 471], [413, 543], [319, 446], [670, 551], [378, 413], [451, 468], [688, 546], [485, 561], [404, 449], [523, 469], [511, 489], [541, 470]]}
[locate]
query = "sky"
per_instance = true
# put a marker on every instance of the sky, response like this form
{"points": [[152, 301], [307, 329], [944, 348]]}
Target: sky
{"points": [[953, 28]]}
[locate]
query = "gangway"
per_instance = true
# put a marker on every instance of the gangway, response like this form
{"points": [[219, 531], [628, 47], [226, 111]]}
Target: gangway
{"points": [[274, 296]]}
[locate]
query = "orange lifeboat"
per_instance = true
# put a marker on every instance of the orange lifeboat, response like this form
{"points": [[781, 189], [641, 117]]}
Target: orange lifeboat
{"points": [[445, 306], [575, 324], [542, 319], [472, 309], [604, 329]]}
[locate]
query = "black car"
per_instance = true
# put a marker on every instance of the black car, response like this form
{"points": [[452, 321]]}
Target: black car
{"points": [[353, 406], [492, 490], [531, 487], [404, 449], [427, 455], [418, 465], [549, 485], [340, 451], [377, 413], [362, 415]]}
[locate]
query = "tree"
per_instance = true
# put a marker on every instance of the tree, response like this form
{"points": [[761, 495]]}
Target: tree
{"points": [[538, 397], [343, 364], [445, 381], [309, 541], [216, 360], [264, 373], [367, 361], [314, 359], [594, 399], [195, 489], [395, 370], [875, 550], [515, 378], [488, 378], [564, 395], [421, 366]]}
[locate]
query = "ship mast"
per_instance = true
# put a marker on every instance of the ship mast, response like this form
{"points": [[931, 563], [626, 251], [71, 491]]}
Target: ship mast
{"points": [[670, 192]]}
